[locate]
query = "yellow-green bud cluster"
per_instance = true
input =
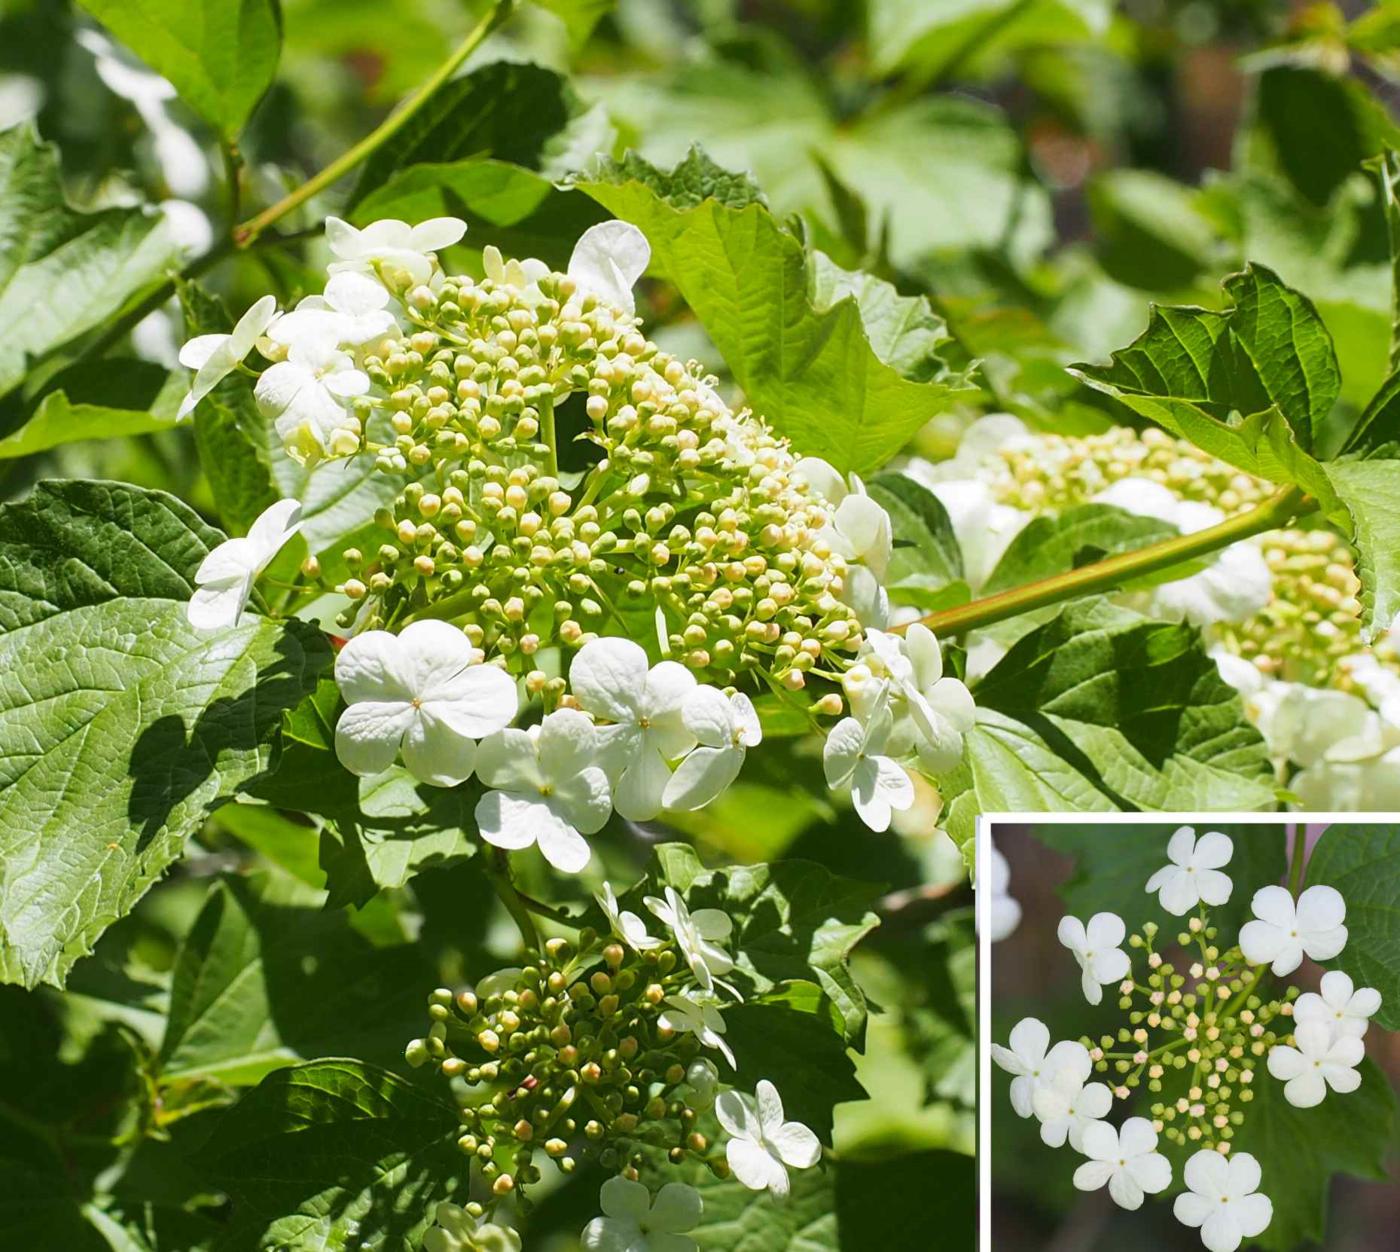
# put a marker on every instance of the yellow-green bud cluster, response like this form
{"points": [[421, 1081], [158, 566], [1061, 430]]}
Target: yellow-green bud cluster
{"points": [[688, 507], [570, 1059]]}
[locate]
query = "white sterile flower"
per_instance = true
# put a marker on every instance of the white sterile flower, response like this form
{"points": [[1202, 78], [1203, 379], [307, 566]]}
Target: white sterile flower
{"points": [[225, 577], [458, 1231], [1343, 1007], [935, 711], [635, 1222], [1284, 932], [215, 357], [1005, 910], [1126, 1159], [308, 395], [1320, 1059], [424, 691], [726, 727], [612, 680], [625, 924], [607, 261], [1034, 1063], [1066, 1106], [1194, 876], [698, 935], [391, 244], [1311, 725], [704, 1021], [1223, 1199], [547, 789], [1095, 947], [189, 226], [761, 1143], [983, 528], [853, 761], [353, 309]]}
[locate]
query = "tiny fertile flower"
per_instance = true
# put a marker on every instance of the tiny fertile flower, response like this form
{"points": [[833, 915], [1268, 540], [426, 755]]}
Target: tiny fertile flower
{"points": [[635, 1222], [215, 357], [1194, 876], [1032, 1061], [352, 310], [391, 243], [699, 936], [761, 1143], [726, 727], [626, 925], [458, 1231], [611, 679], [1345, 1008], [547, 789], [704, 1021], [1126, 1159], [1066, 1106], [853, 761], [523, 274], [424, 691], [1284, 932], [1319, 1061], [1096, 949], [1223, 1200], [607, 261], [225, 577], [1005, 909], [308, 394]]}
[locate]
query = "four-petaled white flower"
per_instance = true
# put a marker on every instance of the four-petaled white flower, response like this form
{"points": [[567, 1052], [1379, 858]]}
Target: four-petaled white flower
{"points": [[1223, 1199], [704, 1021], [391, 244], [308, 394], [635, 1222], [1343, 1007], [1096, 949], [424, 691], [853, 760], [607, 261], [1004, 909], [1066, 1106], [1320, 1060], [351, 310], [1034, 1063], [612, 680], [215, 357], [225, 577], [761, 1143], [458, 1231], [547, 789], [699, 936], [625, 924], [1126, 1159], [1194, 876], [726, 727], [936, 711], [1284, 932]]}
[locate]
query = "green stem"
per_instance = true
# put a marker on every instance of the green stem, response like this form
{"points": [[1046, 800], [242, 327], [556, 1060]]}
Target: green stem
{"points": [[549, 438], [245, 233], [497, 867], [1108, 575], [1300, 856]]}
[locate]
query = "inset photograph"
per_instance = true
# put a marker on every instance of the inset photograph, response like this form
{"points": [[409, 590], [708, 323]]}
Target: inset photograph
{"points": [[1193, 1035]]}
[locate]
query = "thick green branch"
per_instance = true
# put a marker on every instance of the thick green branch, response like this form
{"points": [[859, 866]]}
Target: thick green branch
{"points": [[1111, 574]]}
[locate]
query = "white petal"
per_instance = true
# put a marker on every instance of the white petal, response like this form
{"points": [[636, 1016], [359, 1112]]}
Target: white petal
{"points": [[1275, 906], [369, 667], [1180, 893], [1181, 845], [641, 786], [1214, 850], [1208, 1174], [567, 744], [1285, 1062], [738, 1114], [752, 1166], [507, 819], [274, 526], [1321, 908], [1030, 1041], [709, 717], [368, 734], [1214, 887], [1220, 1232], [198, 350], [1105, 930], [667, 687], [1092, 1175], [607, 261], [747, 728], [1262, 943], [1253, 1213], [436, 233], [608, 678], [796, 1144], [563, 847], [677, 1208], [821, 478], [480, 700], [217, 608], [702, 776], [1124, 1189], [1305, 1091], [435, 753], [1191, 1209], [584, 799], [624, 1198]]}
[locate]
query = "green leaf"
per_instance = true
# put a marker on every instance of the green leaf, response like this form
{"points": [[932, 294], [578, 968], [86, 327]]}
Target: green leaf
{"points": [[62, 272], [120, 727], [1368, 489], [808, 366], [221, 55], [1150, 229], [334, 1154], [1363, 863], [927, 556], [579, 16]]}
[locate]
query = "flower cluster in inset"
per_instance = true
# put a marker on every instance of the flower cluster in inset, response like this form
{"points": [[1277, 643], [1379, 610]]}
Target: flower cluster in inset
{"points": [[1199, 1029]]}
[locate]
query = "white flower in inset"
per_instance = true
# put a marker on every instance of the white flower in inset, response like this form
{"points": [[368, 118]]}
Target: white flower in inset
{"points": [[424, 691], [1283, 933], [607, 261], [703, 1080], [698, 935], [1345, 1008], [1223, 1199], [215, 357], [308, 394], [853, 761], [352, 310], [1126, 1159], [1005, 911], [761, 1143], [225, 577], [1033, 1063], [1194, 876], [547, 789], [634, 1222], [704, 1021], [726, 727], [1096, 949], [1066, 1106], [626, 925], [1320, 1060], [935, 711], [458, 1231], [391, 243], [612, 680]]}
